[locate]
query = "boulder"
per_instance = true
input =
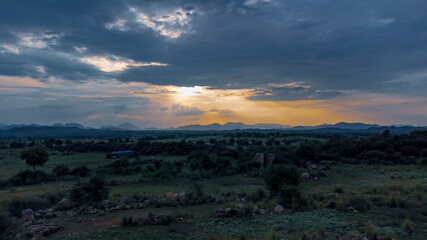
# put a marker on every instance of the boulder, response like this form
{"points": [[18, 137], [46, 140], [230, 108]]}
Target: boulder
{"points": [[175, 197], [259, 158], [182, 196], [332, 196], [270, 159], [169, 195], [278, 209], [305, 175], [106, 203], [312, 167], [65, 204], [28, 215], [146, 203], [262, 211]]}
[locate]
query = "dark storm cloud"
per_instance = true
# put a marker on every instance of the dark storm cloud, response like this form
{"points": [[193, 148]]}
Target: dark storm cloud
{"points": [[291, 93], [327, 44]]}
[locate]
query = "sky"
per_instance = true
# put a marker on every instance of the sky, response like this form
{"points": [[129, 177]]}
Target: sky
{"points": [[173, 63]]}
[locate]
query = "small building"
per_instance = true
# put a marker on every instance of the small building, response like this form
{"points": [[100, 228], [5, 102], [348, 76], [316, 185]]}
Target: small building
{"points": [[115, 155]]}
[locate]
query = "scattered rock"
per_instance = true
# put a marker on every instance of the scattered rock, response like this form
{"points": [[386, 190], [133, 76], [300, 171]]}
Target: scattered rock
{"points": [[28, 223], [305, 175], [332, 196], [146, 203], [182, 196], [259, 158], [312, 167], [241, 206], [106, 203], [262, 211], [35, 232], [278, 209], [65, 204], [28, 215], [175, 197]]}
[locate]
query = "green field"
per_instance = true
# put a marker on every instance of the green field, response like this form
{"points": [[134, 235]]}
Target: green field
{"points": [[380, 201]]}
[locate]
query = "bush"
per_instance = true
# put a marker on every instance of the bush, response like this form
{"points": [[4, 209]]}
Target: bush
{"points": [[28, 177], [407, 226], [16, 205], [4, 223], [129, 222], [258, 195], [94, 190], [61, 171], [291, 196], [81, 171], [277, 175]]}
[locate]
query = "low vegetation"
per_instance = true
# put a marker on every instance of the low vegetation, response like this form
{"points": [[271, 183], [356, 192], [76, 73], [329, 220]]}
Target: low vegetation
{"points": [[210, 187]]}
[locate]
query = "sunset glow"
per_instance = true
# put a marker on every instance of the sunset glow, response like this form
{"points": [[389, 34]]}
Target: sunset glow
{"points": [[167, 65]]}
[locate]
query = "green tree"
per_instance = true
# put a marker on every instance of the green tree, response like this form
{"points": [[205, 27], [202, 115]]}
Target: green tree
{"points": [[35, 156], [278, 175]]}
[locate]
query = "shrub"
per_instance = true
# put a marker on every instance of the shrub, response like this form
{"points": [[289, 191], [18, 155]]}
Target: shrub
{"points": [[291, 196], [94, 190], [372, 232], [258, 195], [278, 175], [407, 226], [61, 171], [129, 222], [4, 223], [81, 171], [16, 205]]}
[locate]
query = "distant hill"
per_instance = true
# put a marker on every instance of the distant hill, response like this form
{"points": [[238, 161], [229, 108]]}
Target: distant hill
{"points": [[230, 126], [121, 127], [340, 125], [77, 125], [127, 129]]}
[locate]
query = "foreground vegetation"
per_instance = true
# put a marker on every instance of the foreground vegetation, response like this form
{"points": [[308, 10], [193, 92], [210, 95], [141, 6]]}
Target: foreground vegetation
{"points": [[210, 187]]}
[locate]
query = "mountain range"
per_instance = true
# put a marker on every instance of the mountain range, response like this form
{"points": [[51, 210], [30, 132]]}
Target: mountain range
{"points": [[75, 129]]}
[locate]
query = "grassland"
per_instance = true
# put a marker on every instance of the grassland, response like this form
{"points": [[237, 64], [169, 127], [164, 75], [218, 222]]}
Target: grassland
{"points": [[373, 201]]}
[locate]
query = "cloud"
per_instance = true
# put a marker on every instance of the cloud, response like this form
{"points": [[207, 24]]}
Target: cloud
{"points": [[180, 110], [171, 24], [292, 92], [118, 24], [116, 64], [9, 49]]}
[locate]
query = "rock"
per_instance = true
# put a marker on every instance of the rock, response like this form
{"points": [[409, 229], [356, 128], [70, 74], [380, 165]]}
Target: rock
{"points": [[49, 215], [169, 194], [262, 211], [259, 158], [28, 215], [352, 209], [123, 200], [28, 223], [175, 197], [305, 175], [270, 159], [255, 210], [182, 196], [312, 167], [241, 206], [106, 203], [146, 203], [65, 204], [278, 209], [71, 213], [58, 213], [332, 196], [128, 207]]}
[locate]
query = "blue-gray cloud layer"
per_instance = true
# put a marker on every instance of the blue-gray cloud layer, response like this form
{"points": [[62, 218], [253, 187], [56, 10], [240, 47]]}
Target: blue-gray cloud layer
{"points": [[328, 44]]}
